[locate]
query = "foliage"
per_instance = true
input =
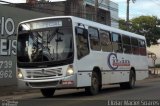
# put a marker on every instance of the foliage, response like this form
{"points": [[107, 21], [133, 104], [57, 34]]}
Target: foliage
{"points": [[157, 65], [144, 25], [122, 24]]}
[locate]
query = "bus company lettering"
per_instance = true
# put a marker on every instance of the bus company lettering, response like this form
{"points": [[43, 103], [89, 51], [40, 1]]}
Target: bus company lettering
{"points": [[7, 44], [114, 62]]}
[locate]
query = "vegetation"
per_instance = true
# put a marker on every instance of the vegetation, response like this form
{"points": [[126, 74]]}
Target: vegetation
{"points": [[157, 65], [147, 26]]}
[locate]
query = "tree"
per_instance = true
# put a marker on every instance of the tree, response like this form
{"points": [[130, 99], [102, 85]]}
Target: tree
{"points": [[122, 24], [146, 26]]}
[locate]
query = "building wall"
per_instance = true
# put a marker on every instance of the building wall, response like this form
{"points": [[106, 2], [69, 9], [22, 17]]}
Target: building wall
{"points": [[110, 7], [114, 14], [107, 12], [103, 16], [9, 19], [155, 49]]}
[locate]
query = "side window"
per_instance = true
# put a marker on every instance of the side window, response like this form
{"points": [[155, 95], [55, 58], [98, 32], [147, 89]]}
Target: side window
{"points": [[117, 42], [94, 38], [135, 48], [105, 39], [82, 42], [126, 44], [142, 47]]}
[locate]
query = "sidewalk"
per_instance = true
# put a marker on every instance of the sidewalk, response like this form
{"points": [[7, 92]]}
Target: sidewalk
{"points": [[13, 90], [152, 75]]}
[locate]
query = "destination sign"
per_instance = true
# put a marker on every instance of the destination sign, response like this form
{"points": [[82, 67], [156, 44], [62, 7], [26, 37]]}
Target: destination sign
{"points": [[42, 25], [48, 24]]}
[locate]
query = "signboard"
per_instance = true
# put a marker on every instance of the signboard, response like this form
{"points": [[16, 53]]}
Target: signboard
{"points": [[7, 46], [10, 17]]}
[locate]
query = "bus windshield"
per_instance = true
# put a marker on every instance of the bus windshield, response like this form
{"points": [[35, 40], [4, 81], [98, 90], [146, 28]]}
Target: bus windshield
{"points": [[45, 45]]}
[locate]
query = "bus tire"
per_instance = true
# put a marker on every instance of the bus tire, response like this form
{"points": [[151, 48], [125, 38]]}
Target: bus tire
{"points": [[131, 83], [48, 92], [95, 82]]}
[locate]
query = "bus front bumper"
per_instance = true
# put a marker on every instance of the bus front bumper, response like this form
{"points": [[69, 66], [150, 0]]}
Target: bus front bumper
{"points": [[62, 82]]}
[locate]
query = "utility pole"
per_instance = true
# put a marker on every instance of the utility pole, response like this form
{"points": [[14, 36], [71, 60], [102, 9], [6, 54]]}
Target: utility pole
{"points": [[127, 13], [96, 10], [127, 16]]}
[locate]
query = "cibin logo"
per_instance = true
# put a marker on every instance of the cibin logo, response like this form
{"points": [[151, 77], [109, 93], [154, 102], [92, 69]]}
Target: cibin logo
{"points": [[114, 62]]}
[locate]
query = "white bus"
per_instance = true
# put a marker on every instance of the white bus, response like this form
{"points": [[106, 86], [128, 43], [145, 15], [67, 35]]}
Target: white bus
{"points": [[69, 52]]}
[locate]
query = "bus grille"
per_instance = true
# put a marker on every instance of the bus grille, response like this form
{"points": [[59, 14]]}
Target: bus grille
{"points": [[43, 84], [44, 73]]}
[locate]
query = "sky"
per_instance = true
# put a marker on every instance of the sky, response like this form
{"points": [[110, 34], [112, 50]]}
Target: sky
{"points": [[23, 1], [140, 7], [15, 1]]}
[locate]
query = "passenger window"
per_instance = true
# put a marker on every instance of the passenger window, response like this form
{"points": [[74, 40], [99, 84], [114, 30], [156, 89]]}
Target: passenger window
{"points": [[94, 39], [82, 42], [117, 42], [142, 47], [126, 44], [105, 38], [135, 48]]}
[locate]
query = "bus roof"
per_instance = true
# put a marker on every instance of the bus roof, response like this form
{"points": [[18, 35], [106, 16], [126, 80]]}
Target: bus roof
{"points": [[91, 23]]}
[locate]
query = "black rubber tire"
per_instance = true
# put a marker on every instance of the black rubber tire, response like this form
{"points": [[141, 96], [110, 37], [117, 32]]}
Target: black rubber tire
{"points": [[48, 92], [131, 83], [95, 85]]}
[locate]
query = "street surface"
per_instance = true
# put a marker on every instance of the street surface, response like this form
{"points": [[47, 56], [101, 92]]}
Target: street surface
{"points": [[148, 89]]}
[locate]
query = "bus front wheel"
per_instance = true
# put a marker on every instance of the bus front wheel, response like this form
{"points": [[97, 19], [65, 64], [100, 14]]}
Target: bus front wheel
{"points": [[48, 92], [94, 88]]}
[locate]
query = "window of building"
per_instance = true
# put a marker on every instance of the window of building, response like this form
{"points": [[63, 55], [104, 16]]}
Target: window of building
{"points": [[135, 47], [117, 42], [105, 38], [126, 44], [94, 38]]}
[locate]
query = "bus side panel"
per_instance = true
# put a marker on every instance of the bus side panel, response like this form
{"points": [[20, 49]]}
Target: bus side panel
{"points": [[142, 72], [140, 75], [84, 72], [121, 74], [83, 79], [85, 67], [106, 77], [140, 64]]}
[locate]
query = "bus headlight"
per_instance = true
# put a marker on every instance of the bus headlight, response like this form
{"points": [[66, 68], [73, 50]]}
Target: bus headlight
{"points": [[19, 74], [70, 70]]}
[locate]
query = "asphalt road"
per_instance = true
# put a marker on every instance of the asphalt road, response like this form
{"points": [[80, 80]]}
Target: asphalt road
{"points": [[148, 89]]}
